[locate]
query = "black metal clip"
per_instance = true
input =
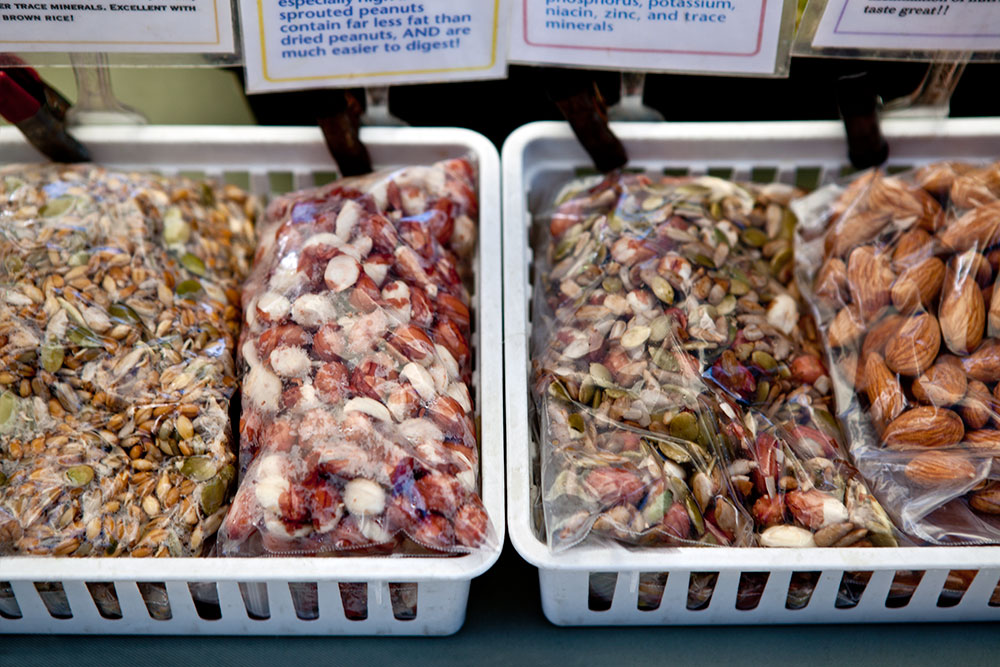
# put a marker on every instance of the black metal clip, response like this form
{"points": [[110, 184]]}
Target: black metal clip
{"points": [[858, 104], [38, 110]]}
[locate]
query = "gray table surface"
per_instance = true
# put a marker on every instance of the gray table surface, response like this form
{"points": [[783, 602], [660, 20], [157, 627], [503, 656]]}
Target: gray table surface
{"points": [[504, 625]]}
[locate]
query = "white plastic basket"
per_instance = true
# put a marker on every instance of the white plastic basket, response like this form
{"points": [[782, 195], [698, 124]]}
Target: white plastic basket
{"points": [[268, 159], [540, 154]]}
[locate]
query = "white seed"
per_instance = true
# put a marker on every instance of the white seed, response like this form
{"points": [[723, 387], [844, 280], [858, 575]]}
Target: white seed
{"points": [[341, 272], [834, 511], [150, 506], [377, 271], [262, 388], [313, 310], [347, 218], [787, 536], [420, 379], [783, 313], [375, 532], [273, 306], [364, 498], [368, 406], [290, 361], [460, 393], [579, 346], [447, 361], [270, 482]]}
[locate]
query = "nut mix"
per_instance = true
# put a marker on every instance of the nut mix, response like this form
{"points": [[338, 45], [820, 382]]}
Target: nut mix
{"points": [[358, 425], [901, 272], [118, 320], [682, 399]]}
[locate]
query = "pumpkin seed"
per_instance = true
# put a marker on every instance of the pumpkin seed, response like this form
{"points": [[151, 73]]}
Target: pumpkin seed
{"points": [[684, 426], [198, 468], [651, 203], [612, 284], [587, 388], [79, 258], [602, 376], [563, 248], [694, 512], [754, 237], [83, 337], [58, 206], [780, 260], [659, 328], [212, 495], [703, 260], [576, 422], [80, 475], [664, 359], [193, 264], [8, 408], [3, 479], [557, 390], [52, 357], [635, 337], [764, 360], [188, 288], [122, 313], [662, 289], [656, 507], [598, 399], [673, 451]]}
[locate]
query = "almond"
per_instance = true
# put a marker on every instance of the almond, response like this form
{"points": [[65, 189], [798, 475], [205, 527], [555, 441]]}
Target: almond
{"points": [[983, 439], [993, 316], [915, 346], [845, 329], [884, 393], [943, 384], [987, 499], [905, 203], [912, 247], [984, 363], [918, 285], [939, 468], [973, 189], [869, 280], [924, 427], [831, 283], [880, 334], [853, 229], [979, 228], [962, 314], [936, 178], [979, 267], [976, 407]]}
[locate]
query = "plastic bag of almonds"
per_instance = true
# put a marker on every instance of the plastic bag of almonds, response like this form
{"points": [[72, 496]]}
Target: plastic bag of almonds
{"points": [[681, 398], [900, 271], [358, 429], [118, 322]]}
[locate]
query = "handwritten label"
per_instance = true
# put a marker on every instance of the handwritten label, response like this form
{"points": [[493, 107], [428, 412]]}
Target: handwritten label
{"points": [[666, 35], [294, 44], [132, 26], [942, 25]]}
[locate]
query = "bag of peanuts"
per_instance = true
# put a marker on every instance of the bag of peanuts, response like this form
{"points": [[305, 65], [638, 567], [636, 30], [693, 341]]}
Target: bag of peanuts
{"points": [[680, 393], [119, 312], [358, 431], [900, 271]]}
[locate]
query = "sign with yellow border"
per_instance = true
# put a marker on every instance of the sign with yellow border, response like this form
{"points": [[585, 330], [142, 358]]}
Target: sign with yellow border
{"points": [[296, 44]]}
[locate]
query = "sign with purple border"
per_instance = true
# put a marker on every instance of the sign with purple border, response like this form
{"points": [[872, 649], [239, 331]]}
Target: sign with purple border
{"points": [[939, 25]]}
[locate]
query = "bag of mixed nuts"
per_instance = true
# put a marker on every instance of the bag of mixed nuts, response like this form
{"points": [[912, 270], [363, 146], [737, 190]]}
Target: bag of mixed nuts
{"points": [[681, 396], [118, 320], [900, 272], [358, 428]]}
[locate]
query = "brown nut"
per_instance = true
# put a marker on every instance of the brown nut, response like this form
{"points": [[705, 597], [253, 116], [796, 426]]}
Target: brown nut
{"points": [[869, 280], [915, 346], [881, 333], [913, 247], [845, 329], [831, 283], [962, 314], [976, 408], [937, 468], [984, 363], [924, 427], [943, 384], [986, 500], [986, 440], [884, 393], [979, 228], [918, 285]]}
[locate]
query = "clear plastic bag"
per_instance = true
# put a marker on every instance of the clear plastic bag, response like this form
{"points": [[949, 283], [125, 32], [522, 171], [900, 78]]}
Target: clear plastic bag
{"points": [[118, 323], [358, 431], [681, 398], [900, 272]]}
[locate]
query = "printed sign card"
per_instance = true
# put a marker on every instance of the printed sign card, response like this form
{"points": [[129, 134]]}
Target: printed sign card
{"points": [[296, 44], [650, 35], [124, 26]]}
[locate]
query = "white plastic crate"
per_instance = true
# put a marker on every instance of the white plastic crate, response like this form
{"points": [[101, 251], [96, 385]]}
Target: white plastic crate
{"points": [[541, 154], [267, 159]]}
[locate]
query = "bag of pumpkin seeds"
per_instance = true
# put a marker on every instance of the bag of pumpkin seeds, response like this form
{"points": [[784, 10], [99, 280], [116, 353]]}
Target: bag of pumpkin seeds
{"points": [[681, 396]]}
